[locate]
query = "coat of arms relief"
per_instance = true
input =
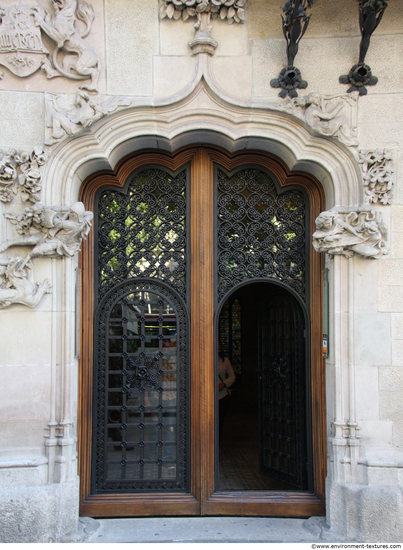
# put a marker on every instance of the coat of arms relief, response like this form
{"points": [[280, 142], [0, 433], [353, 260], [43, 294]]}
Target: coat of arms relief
{"points": [[65, 25]]}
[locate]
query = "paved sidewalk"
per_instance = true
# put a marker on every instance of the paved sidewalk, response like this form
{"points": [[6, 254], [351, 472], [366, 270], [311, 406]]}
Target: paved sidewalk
{"points": [[203, 530]]}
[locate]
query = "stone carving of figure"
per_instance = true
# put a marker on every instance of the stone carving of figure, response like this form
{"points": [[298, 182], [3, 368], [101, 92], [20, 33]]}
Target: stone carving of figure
{"points": [[52, 230], [349, 233], [62, 29], [327, 122], [66, 118], [17, 285]]}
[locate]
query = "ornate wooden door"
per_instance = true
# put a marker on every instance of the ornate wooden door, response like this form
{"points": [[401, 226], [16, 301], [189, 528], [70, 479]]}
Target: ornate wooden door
{"points": [[152, 284]]}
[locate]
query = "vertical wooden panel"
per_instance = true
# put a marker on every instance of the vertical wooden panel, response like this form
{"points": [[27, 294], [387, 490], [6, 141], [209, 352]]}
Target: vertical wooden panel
{"points": [[202, 322]]}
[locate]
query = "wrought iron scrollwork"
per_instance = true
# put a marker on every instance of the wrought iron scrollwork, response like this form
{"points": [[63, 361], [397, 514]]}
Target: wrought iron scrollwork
{"points": [[143, 233], [295, 24], [260, 233], [360, 75]]}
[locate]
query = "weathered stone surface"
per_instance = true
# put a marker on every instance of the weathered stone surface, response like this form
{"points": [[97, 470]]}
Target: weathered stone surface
{"points": [[131, 41]]}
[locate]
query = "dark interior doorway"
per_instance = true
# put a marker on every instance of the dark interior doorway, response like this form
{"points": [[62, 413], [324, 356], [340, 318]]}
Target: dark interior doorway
{"points": [[243, 334]]}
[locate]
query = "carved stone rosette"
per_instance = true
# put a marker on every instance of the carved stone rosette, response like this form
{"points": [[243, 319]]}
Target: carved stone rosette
{"points": [[378, 175], [348, 232], [21, 171], [233, 11]]}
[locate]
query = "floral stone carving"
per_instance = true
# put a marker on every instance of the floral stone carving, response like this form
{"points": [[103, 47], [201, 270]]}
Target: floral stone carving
{"points": [[17, 285], [378, 175], [349, 232], [68, 114], [22, 50], [52, 231], [21, 171], [331, 116], [233, 11]]}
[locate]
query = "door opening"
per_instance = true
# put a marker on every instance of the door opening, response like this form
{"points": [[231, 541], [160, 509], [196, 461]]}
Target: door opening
{"points": [[265, 441]]}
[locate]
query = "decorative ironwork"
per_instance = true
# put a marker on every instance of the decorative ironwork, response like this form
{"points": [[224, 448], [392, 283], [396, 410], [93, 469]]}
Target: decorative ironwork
{"points": [[261, 233], [295, 23], [142, 233], [230, 333], [360, 75], [140, 398], [282, 396]]}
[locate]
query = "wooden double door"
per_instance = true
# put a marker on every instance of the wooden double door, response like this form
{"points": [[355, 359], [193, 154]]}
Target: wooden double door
{"points": [[174, 236]]}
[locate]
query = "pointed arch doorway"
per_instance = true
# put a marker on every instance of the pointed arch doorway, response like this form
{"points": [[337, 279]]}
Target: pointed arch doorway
{"points": [[155, 272]]}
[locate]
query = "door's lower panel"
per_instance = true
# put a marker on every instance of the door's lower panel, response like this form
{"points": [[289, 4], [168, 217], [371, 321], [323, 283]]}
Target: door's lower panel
{"points": [[292, 505], [140, 506]]}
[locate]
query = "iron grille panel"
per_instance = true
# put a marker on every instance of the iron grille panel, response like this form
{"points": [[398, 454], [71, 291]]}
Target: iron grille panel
{"points": [[283, 451], [142, 233], [261, 233], [141, 402], [140, 433]]}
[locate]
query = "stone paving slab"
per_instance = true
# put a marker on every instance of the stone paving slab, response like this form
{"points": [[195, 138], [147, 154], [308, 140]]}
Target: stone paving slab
{"points": [[203, 530]]}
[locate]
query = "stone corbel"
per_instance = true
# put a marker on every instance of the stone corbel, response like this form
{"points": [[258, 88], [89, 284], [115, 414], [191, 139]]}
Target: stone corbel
{"points": [[348, 232], [233, 11], [51, 232], [68, 114], [377, 167], [329, 116], [21, 171]]}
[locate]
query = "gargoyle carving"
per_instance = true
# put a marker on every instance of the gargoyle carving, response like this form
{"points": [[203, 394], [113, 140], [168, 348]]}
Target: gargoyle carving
{"points": [[349, 232], [21, 171], [66, 115], [327, 115], [378, 175], [52, 231], [62, 29], [17, 285]]}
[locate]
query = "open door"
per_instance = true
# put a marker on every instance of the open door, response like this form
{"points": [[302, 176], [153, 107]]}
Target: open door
{"points": [[153, 285]]}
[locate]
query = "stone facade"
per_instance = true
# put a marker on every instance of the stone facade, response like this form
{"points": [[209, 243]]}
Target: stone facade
{"points": [[140, 86]]}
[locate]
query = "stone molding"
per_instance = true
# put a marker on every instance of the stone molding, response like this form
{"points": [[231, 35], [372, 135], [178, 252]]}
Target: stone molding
{"points": [[68, 114], [21, 171], [377, 168], [348, 232], [23, 51]]}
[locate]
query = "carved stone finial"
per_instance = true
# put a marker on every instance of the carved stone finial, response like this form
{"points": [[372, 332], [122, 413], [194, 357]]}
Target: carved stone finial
{"points": [[348, 232], [68, 114], [233, 11], [21, 171], [17, 285], [22, 49], [378, 175], [360, 75], [52, 231], [329, 116], [295, 23]]}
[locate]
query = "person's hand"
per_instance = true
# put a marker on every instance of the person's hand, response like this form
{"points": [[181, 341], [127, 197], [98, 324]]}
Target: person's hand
{"points": [[221, 386]]}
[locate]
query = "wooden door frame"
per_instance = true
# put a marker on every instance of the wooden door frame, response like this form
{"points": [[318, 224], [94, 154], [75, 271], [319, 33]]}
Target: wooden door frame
{"points": [[202, 500]]}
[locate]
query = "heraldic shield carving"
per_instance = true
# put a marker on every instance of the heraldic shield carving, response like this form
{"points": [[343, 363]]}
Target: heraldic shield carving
{"points": [[21, 47], [66, 25]]}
